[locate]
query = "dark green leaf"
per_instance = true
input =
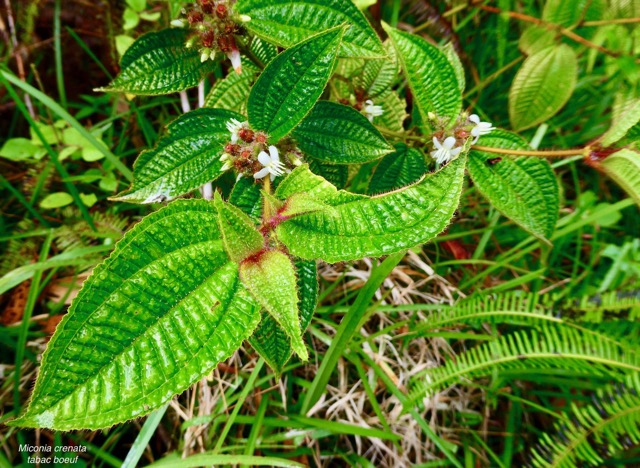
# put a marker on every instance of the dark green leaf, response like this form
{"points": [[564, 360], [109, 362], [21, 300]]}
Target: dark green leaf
{"points": [[287, 22], [187, 157], [292, 83], [403, 167], [159, 63], [339, 134]]}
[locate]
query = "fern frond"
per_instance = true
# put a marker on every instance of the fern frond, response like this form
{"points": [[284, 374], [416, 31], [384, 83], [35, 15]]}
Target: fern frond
{"points": [[594, 432], [546, 349]]}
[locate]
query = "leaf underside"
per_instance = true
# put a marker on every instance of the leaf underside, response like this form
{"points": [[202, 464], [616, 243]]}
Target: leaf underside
{"points": [[156, 316], [361, 226], [624, 168]]}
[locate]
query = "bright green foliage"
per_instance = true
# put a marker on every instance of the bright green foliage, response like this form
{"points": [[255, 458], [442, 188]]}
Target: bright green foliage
{"points": [[302, 203], [378, 75], [292, 83], [431, 76], [269, 340], [570, 12], [403, 167], [624, 167], [339, 134], [231, 92], [522, 188], [612, 423], [546, 347], [364, 226], [628, 116], [535, 38], [185, 158], [271, 278], [241, 238], [287, 22], [542, 86], [159, 63], [157, 315], [455, 62], [395, 111]]}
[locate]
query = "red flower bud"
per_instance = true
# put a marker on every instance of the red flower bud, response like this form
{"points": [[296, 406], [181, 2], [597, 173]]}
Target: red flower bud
{"points": [[207, 6], [208, 38], [246, 134], [195, 17], [261, 138], [221, 11]]}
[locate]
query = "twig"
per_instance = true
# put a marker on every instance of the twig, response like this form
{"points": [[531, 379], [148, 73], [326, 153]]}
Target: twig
{"points": [[18, 55], [542, 154]]}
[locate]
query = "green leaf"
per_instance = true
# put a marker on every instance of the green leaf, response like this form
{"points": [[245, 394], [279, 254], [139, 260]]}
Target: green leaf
{"points": [[56, 200], [394, 111], [431, 76], [241, 238], [160, 313], [187, 157], [231, 92], [263, 50], [131, 19], [403, 167], [626, 119], [454, 59], [524, 189], [336, 174], [287, 22], [137, 5], [246, 195], [123, 43], [292, 83], [271, 278], [369, 226], [18, 149], [566, 12], [535, 38], [542, 86], [377, 76], [159, 63], [339, 134], [89, 199], [624, 167], [269, 339]]}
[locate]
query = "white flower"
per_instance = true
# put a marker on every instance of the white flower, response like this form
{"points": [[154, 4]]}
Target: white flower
{"points": [[271, 163], [234, 126], [480, 128], [445, 150], [178, 23], [236, 61], [371, 110], [226, 159], [245, 18]]}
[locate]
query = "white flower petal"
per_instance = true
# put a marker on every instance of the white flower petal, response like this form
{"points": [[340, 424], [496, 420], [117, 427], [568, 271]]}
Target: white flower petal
{"points": [[261, 173], [264, 159], [474, 118], [456, 151], [437, 143], [275, 156], [449, 142]]}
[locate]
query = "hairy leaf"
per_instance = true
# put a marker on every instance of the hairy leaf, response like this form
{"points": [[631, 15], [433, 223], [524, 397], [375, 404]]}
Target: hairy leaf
{"points": [[431, 76], [241, 238], [186, 157], [271, 278], [624, 168], [627, 117], [524, 189], [156, 316], [159, 63], [287, 22], [378, 75], [542, 86], [364, 226], [292, 83], [246, 196], [403, 167], [269, 339], [338, 175], [535, 38], [454, 59], [339, 134]]}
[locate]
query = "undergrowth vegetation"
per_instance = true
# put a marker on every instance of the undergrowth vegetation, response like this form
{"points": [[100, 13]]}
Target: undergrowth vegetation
{"points": [[320, 233]]}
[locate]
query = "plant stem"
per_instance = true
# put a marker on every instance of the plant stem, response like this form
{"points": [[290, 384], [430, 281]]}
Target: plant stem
{"points": [[541, 154]]}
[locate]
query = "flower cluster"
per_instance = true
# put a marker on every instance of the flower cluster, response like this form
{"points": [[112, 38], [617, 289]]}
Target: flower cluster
{"points": [[361, 102], [249, 153], [214, 27], [447, 146]]}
